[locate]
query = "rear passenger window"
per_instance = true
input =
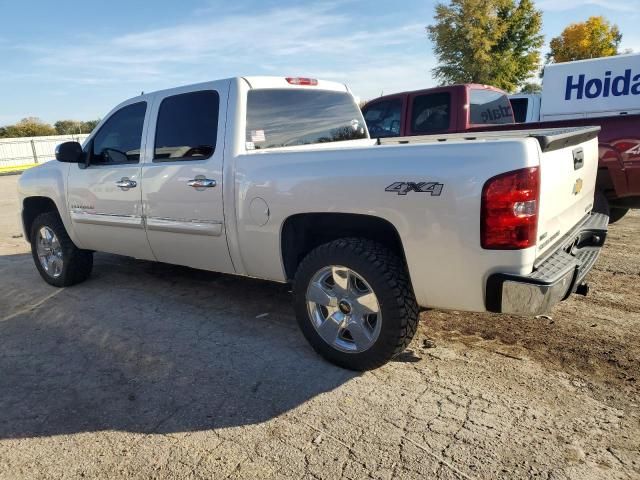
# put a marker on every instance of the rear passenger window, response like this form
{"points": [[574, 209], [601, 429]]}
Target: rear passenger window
{"points": [[431, 113], [383, 118], [187, 127]]}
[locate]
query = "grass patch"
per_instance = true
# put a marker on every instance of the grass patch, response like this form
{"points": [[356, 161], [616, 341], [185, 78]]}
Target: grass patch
{"points": [[16, 168]]}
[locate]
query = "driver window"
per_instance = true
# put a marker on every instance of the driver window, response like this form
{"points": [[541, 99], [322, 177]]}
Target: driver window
{"points": [[119, 139]]}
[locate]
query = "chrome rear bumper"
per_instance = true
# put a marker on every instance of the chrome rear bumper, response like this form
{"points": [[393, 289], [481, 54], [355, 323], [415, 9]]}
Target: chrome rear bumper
{"points": [[555, 277]]}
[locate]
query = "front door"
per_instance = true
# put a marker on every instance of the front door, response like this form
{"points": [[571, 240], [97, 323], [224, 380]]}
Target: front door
{"points": [[182, 178], [105, 197]]}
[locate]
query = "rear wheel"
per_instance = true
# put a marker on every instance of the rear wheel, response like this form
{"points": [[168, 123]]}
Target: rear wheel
{"points": [[59, 262], [601, 205], [354, 303]]}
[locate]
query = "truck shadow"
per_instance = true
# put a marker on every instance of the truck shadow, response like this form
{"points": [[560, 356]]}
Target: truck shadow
{"points": [[146, 347]]}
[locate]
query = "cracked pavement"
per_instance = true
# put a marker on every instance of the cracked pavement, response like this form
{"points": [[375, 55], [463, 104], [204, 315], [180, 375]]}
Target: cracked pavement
{"points": [[155, 371]]}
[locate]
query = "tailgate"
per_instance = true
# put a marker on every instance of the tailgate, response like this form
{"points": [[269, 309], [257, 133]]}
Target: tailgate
{"points": [[568, 170]]}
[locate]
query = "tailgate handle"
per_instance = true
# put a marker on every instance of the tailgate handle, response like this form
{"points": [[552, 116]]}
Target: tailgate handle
{"points": [[578, 158]]}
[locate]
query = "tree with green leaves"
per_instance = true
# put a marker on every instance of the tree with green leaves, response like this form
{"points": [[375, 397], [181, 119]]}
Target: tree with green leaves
{"points": [[530, 87], [596, 37], [29, 127], [88, 126], [74, 127], [34, 127], [494, 42], [68, 127]]}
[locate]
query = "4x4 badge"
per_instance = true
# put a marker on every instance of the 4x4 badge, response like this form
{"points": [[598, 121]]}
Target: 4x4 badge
{"points": [[402, 188]]}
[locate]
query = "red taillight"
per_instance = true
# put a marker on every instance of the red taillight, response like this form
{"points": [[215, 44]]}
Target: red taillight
{"points": [[510, 205], [302, 81]]}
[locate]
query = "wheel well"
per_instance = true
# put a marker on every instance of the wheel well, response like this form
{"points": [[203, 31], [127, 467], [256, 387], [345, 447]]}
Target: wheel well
{"points": [[304, 232], [604, 182], [31, 208]]}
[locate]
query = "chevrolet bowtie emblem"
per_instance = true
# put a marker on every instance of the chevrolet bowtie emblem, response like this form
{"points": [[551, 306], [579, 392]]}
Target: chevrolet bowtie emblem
{"points": [[577, 187]]}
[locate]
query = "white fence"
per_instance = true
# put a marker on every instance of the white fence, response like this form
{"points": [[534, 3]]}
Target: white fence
{"points": [[29, 150]]}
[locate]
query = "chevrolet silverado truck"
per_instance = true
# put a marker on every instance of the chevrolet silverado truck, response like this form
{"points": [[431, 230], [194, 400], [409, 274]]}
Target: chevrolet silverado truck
{"points": [[476, 108], [277, 178]]}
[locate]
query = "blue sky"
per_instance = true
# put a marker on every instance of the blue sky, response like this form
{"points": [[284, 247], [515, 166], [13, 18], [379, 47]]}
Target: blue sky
{"points": [[77, 59]]}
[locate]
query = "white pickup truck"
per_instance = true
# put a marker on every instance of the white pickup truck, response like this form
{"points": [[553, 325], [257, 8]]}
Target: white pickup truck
{"points": [[277, 178]]}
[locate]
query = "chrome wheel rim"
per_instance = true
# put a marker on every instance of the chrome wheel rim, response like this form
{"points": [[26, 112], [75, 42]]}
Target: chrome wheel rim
{"points": [[49, 252], [344, 309]]}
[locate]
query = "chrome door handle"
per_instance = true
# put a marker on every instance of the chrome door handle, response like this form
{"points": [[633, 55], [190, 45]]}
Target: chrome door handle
{"points": [[202, 183], [126, 183]]}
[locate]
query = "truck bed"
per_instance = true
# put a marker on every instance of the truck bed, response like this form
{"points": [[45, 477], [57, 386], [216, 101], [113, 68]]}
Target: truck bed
{"points": [[567, 173], [549, 138]]}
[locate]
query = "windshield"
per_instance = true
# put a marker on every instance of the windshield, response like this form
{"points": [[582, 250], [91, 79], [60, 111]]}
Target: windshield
{"points": [[282, 118]]}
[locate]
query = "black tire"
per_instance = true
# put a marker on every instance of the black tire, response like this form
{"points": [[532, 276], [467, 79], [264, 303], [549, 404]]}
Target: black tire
{"points": [[77, 263], [387, 275], [601, 204], [616, 214]]}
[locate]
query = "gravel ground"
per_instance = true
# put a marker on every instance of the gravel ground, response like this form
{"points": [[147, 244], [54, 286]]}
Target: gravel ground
{"points": [[154, 371]]}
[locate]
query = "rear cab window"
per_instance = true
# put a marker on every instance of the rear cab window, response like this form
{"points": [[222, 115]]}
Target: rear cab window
{"points": [[431, 113], [290, 117], [489, 107]]}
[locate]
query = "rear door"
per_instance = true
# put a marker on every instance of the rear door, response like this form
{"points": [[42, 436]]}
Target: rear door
{"points": [[182, 177], [104, 198]]}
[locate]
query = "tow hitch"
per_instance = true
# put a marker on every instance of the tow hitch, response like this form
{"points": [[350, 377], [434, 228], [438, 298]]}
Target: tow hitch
{"points": [[583, 289]]}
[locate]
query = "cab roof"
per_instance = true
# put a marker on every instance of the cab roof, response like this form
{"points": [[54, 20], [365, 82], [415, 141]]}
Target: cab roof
{"points": [[259, 82]]}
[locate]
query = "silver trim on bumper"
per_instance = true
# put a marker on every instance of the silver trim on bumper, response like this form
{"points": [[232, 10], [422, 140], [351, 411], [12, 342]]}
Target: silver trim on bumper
{"points": [[557, 276], [520, 298]]}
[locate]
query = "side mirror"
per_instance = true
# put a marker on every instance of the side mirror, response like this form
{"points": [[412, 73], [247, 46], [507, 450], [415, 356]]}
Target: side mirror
{"points": [[69, 152]]}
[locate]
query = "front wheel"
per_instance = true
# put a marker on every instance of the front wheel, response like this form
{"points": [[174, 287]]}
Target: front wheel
{"points": [[59, 262], [354, 303]]}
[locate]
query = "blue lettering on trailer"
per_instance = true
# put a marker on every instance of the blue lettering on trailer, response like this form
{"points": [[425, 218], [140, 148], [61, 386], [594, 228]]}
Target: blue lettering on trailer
{"points": [[621, 85]]}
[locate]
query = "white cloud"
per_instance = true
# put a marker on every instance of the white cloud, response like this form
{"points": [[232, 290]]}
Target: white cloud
{"points": [[384, 76], [295, 40]]}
